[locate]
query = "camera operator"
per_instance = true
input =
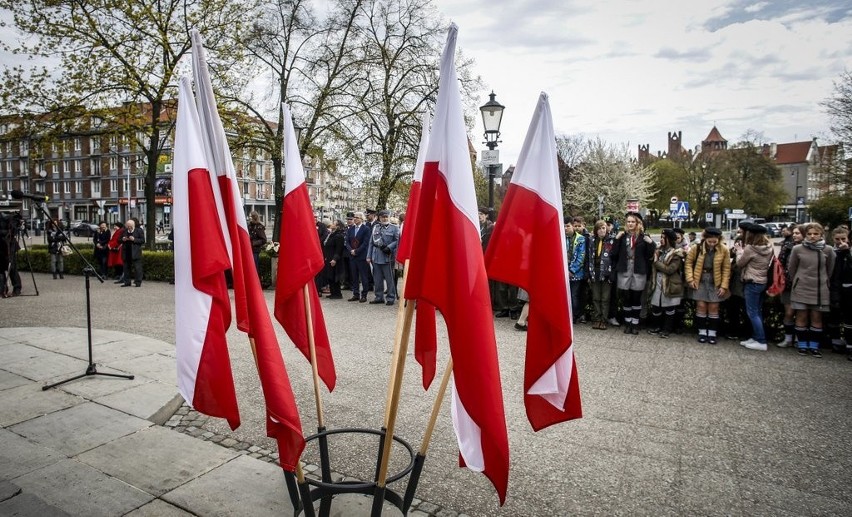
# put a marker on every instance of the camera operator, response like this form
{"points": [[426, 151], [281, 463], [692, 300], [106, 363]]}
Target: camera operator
{"points": [[11, 225]]}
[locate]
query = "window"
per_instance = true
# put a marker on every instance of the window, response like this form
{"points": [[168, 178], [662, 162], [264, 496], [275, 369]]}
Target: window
{"points": [[68, 166], [8, 185], [78, 165], [78, 187], [113, 142], [25, 147], [96, 167], [96, 187], [2, 166], [77, 144], [126, 186], [113, 185], [113, 163], [125, 163], [140, 184], [55, 187], [67, 188], [53, 147]]}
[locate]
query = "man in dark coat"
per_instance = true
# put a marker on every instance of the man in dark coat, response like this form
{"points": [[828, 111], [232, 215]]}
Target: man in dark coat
{"points": [[131, 250], [356, 242], [101, 242]]}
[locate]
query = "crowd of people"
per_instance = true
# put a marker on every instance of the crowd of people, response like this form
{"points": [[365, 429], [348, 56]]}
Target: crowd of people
{"points": [[622, 277]]}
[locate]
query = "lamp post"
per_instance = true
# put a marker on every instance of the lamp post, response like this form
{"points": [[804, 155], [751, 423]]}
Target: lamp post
{"points": [[492, 115]]}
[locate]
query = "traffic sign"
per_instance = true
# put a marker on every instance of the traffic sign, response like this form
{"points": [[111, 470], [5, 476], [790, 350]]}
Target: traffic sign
{"points": [[714, 198], [708, 216], [100, 211], [491, 157], [681, 211]]}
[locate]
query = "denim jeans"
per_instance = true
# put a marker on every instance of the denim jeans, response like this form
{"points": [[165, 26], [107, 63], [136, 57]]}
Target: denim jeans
{"points": [[753, 294], [576, 308]]}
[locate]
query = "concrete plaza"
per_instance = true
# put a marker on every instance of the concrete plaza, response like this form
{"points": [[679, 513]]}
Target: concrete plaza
{"points": [[670, 426]]}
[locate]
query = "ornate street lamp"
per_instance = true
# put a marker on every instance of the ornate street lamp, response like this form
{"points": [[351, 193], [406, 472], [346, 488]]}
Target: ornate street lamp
{"points": [[492, 115]]}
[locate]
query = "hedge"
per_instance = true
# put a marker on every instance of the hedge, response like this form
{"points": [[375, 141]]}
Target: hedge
{"points": [[158, 265]]}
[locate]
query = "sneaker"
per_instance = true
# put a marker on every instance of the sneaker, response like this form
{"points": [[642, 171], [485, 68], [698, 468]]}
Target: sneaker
{"points": [[711, 340], [754, 345], [614, 322], [784, 344], [747, 342], [522, 328], [803, 351], [816, 353]]}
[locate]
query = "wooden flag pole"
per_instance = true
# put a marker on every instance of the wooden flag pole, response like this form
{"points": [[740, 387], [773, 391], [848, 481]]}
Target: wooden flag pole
{"points": [[402, 334], [313, 348], [400, 315], [436, 407], [420, 458]]}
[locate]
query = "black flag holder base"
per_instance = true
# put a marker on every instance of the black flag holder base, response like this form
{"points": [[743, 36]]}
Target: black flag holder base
{"points": [[325, 489]]}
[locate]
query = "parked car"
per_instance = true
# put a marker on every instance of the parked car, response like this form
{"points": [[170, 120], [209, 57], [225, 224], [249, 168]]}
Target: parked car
{"points": [[774, 229], [83, 228]]}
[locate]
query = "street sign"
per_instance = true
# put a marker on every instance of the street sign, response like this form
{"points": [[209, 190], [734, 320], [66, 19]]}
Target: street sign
{"points": [[714, 198], [100, 211], [737, 211], [491, 157], [708, 216], [632, 205], [680, 211]]}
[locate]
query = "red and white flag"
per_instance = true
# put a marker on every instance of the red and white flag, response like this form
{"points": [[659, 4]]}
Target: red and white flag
{"points": [[446, 269], [202, 305], [299, 261], [527, 249], [425, 333], [282, 414]]}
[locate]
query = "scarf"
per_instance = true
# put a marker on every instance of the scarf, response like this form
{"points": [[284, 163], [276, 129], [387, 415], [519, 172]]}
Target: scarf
{"points": [[816, 246]]}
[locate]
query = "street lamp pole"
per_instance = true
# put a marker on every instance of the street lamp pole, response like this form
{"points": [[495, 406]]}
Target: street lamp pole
{"points": [[798, 198], [492, 115]]}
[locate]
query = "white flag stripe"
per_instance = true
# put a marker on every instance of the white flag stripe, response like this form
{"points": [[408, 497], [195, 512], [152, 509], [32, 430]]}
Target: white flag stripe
{"points": [[468, 434], [424, 146], [451, 152], [294, 172]]}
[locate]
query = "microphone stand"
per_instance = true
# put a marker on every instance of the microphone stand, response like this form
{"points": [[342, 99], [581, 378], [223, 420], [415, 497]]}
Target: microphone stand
{"points": [[88, 272]]}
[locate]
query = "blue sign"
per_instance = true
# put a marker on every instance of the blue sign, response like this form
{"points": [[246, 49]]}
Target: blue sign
{"points": [[850, 213], [714, 198], [682, 211]]}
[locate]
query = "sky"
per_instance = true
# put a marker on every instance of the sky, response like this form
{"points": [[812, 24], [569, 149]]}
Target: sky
{"points": [[630, 71]]}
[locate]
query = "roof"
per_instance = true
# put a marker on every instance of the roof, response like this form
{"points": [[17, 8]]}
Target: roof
{"points": [[795, 152], [714, 136]]}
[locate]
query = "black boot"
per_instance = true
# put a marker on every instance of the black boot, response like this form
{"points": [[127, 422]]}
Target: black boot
{"points": [[61, 277], [54, 276], [668, 324]]}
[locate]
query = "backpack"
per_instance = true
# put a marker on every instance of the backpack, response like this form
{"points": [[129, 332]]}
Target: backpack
{"points": [[775, 278]]}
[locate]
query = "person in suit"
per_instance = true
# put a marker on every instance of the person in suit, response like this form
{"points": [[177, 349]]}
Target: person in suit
{"points": [[101, 242], [381, 253], [356, 243], [131, 249], [332, 252]]}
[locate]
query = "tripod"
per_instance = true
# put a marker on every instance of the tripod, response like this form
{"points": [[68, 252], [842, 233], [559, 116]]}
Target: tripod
{"points": [[88, 272], [20, 237]]}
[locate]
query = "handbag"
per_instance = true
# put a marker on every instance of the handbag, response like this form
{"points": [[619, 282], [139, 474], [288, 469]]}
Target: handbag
{"points": [[65, 250]]}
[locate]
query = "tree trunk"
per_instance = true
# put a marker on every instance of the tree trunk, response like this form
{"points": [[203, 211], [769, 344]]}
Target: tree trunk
{"points": [[153, 156], [278, 190]]}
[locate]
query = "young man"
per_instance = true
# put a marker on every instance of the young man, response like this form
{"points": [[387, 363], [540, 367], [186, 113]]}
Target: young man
{"points": [[575, 243]]}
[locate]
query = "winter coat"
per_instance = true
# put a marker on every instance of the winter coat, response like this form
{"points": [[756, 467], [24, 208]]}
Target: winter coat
{"points": [[841, 276], [670, 264], [600, 265], [721, 265], [576, 246], [257, 234], [644, 254], [784, 257], [114, 258], [811, 265], [55, 240], [754, 263], [332, 249], [383, 243]]}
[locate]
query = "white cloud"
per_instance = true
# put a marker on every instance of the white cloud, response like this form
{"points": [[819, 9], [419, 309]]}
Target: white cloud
{"points": [[632, 71]]}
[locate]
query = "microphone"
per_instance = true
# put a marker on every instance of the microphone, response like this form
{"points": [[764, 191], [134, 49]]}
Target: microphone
{"points": [[38, 197]]}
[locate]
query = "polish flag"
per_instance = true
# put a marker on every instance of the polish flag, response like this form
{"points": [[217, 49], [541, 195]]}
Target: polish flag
{"points": [[425, 333], [202, 306], [527, 249], [282, 415], [299, 262], [447, 270]]}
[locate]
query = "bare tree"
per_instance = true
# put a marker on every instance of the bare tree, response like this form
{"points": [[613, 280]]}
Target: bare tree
{"points": [[112, 54], [839, 108]]}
